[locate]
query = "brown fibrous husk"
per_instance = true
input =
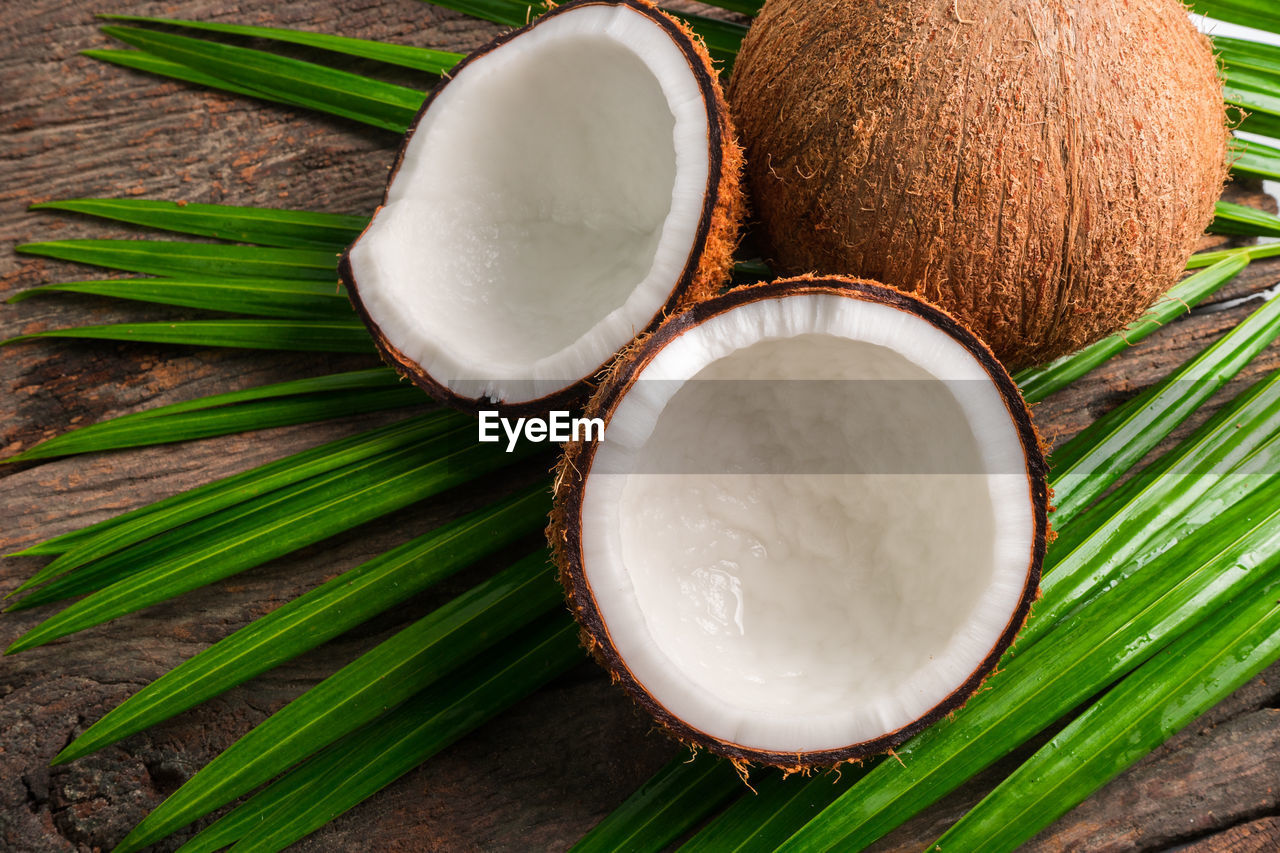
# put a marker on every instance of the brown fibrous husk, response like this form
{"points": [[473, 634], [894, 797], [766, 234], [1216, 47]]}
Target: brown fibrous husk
{"points": [[1040, 168]]}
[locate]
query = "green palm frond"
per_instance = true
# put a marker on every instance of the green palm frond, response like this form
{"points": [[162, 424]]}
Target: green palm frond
{"points": [[296, 335], [1193, 674], [246, 535], [722, 37], [383, 677], [285, 298], [292, 81], [1085, 467], [1259, 14], [262, 226], [106, 537], [179, 259], [325, 612], [678, 796], [404, 56], [370, 758], [1236, 219], [278, 404]]}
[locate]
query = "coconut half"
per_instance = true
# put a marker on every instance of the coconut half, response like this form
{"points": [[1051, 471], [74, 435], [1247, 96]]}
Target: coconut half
{"points": [[566, 187], [815, 522]]}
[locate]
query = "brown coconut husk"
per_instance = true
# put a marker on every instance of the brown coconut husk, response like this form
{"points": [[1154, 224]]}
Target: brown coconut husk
{"points": [[564, 532], [710, 260], [1040, 168]]}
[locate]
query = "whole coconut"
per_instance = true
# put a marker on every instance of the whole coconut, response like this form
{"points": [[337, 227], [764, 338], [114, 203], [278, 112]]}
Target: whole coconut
{"points": [[1041, 169]]}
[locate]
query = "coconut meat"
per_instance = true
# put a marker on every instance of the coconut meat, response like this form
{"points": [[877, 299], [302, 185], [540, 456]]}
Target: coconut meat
{"points": [[809, 523], [545, 207]]}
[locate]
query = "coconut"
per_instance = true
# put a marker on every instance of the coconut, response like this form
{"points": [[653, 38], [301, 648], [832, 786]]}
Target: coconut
{"points": [[814, 523], [1040, 169], [564, 188]]}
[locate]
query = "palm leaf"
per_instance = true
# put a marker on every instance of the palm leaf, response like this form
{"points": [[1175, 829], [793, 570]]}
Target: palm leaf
{"points": [[303, 84], [1251, 92], [323, 613], [1255, 159], [297, 229], [1165, 694], [384, 677], [1200, 260], [677, 797], [368, 760], [259, 530], [1259, 14], [721, 37], [263, 414], [1227, 460], [759, 822], [750, 8], [140, 60], [1246, 221], [1251, 55], [404, 56], [174, 258], [295, 335], [1085, 466], [106, 537], [295, 299]]}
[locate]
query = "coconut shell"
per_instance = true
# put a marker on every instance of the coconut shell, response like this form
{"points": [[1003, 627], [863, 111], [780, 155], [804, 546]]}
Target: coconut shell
{"points": [[1040, 168], [564, 531], [710, 260]]}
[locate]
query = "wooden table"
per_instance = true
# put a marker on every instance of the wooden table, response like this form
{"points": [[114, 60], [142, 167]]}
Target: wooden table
{"points": [[540, 775]]}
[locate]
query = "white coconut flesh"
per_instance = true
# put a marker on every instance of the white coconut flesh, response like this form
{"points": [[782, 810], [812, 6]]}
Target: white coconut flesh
{"points": [[545, 207], [804, 566]]}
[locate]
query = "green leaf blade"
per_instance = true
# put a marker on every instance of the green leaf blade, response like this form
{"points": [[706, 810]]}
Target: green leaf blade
{"points": [[1237, 219], [666, 806], [179, 259], [304, 84], [262, 226], [324, 613], [378, 754], [405, 56], [1193, 674], [290, 299], [114, 534], [265, 528], [247, 417], [1217, 467], [1259, 14], [290, 335], [1084, 467]]}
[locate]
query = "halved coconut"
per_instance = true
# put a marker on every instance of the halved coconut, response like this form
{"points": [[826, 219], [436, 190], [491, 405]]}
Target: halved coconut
{"points": [[566, 187], [814, 523]]}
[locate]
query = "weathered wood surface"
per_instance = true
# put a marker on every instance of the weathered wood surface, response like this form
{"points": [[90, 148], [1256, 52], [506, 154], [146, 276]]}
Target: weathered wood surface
{"points": [[540, 775]]}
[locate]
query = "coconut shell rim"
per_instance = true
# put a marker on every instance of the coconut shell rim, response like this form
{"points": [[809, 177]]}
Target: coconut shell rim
{"points": [[719, 135], [564, 532]]}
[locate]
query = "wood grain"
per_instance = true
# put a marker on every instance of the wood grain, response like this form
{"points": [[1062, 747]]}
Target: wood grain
{"points": [[539, 776]]}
